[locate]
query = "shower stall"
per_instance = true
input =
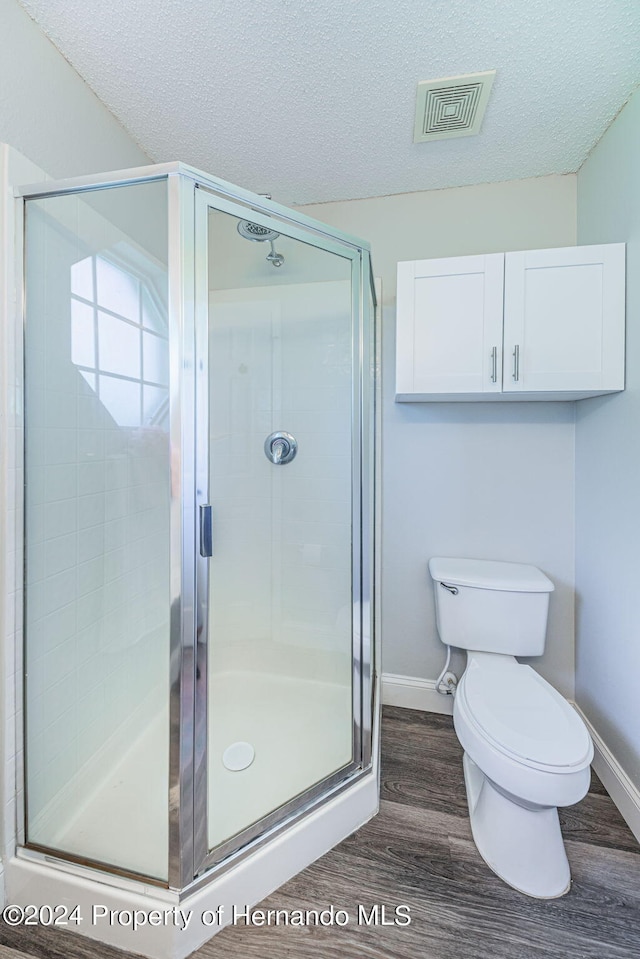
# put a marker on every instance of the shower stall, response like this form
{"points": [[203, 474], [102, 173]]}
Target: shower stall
{"points": [[199, 517]]}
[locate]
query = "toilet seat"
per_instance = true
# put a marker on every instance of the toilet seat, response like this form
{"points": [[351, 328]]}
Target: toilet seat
{"points": [[522, 716]]}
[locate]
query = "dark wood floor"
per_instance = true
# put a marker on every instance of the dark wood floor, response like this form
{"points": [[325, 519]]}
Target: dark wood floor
{"points": [[418, 851]]}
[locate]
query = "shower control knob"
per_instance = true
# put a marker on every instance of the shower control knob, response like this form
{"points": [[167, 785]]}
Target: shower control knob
{"points": [[280, 447]]}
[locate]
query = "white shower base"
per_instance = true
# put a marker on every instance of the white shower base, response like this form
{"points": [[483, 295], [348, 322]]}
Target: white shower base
{"points": [[309, 712], [300, 730], [248, 882], [119, 818]]}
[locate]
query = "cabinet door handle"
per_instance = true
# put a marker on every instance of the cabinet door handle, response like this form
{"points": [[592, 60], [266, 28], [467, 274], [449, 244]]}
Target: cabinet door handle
{"points": [[516, 363], [494, 365]]}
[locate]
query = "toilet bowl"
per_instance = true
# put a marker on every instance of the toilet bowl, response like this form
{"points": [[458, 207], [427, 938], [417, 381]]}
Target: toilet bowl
{"points": [[526, 750]]}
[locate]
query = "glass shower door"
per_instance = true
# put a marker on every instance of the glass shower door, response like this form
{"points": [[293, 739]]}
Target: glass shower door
{"points": [[283, 462]]}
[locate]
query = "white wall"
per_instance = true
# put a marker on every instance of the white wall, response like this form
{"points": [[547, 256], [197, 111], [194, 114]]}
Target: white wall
{"points": [[608, 468], [48, 112], [483, 480]]}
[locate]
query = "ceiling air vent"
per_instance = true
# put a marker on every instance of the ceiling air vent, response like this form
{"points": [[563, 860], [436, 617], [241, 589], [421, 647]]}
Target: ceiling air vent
{"points": [[451, 107]]}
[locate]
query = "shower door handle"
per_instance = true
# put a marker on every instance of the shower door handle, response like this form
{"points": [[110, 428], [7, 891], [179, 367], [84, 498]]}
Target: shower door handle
{"points": [[206, 531]]}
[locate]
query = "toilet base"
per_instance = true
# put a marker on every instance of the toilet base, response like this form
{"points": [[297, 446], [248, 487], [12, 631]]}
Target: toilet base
{"points": [[522, 845]]}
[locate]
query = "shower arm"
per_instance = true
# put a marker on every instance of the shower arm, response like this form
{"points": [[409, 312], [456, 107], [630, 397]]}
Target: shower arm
{"points": [[276, 259]]}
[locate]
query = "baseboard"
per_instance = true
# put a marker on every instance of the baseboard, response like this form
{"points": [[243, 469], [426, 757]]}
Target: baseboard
{"points": [[622, 790], [413, 693]]}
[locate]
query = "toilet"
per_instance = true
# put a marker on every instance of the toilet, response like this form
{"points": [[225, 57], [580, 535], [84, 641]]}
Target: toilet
{"points": [[526, 750]]}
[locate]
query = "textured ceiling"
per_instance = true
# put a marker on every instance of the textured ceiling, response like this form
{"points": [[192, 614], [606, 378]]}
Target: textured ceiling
{"points": [[314, 101]]}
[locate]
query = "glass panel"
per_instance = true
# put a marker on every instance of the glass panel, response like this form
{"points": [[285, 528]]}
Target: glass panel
{"points": [[156, 360], [97, 521], [120, 399], [280, 649], [119, 346], [156, 403], [83, 340], [153, 316], [118, 289], [82, 278]]}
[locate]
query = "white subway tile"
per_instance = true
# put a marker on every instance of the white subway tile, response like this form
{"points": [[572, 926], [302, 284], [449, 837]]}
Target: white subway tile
{"points": [[90, 445], [89, 609], [90, 575], [115, 504], [60, 482], [60, 446], [90, 413], [60, 409], [60, 518], [35, 567], [91, 478], [58, 696], [60, 553], [58, 591], [91, 510], [115, 442], [116, 473], [91, 543]]}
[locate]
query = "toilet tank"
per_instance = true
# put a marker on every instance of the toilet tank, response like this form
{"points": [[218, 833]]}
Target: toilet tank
{"points": [[491, 607]]}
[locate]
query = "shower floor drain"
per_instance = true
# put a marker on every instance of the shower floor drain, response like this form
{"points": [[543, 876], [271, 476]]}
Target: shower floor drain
{"points": [[238, 756]]}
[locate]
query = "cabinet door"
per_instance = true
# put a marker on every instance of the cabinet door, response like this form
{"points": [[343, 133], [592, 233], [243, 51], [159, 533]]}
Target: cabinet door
{"points": [[564, 319], [449, 334]]}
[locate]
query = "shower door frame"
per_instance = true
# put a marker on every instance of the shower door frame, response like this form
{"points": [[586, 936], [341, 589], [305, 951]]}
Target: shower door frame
{"points": [[306, 231], [191, 194]]}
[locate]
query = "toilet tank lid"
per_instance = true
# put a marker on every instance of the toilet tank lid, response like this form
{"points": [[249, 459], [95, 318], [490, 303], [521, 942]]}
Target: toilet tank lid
{"points": [[487, 574]]}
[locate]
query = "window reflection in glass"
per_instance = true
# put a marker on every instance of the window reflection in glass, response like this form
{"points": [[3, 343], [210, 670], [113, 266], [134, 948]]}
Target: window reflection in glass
{"points": [[119, 341]]}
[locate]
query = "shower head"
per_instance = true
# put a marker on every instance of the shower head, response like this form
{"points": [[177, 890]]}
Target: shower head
{"points": [[255, 232], [260, 234]]}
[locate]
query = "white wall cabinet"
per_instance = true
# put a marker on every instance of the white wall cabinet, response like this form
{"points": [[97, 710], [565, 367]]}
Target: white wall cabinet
{"points": [[533, 325]]}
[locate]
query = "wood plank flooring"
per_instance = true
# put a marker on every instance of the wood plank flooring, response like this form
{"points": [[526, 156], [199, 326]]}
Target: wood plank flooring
{"points": [[418, 851]]}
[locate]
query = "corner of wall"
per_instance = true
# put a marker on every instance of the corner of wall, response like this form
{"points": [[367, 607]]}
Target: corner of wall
{"points": [[607, 478]]}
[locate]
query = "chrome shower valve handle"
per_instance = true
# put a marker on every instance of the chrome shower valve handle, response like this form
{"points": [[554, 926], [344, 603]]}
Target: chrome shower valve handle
{"points": [[280, 447]]}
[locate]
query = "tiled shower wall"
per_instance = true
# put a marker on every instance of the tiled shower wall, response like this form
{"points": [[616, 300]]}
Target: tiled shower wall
{"points": [[281, 576]]}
